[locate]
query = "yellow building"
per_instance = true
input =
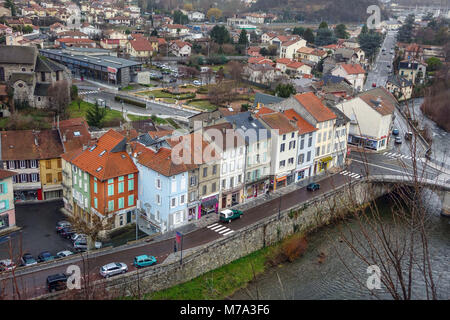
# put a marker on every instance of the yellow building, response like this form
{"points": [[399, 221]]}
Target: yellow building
{"points": [[51, 178]]}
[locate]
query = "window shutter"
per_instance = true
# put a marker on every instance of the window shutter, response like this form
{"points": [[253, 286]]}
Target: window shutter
{"points": [[170, 219]]}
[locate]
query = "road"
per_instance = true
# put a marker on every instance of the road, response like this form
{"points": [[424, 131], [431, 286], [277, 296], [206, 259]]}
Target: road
{"points": [[380, 71], [31, 280]]}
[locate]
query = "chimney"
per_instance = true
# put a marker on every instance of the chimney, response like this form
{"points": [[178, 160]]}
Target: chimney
{"points": [[64, 137], [84, 147]]}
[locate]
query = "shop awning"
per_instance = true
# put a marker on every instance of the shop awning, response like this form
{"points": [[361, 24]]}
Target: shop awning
{"points": [[326, 159], [210, 202]]}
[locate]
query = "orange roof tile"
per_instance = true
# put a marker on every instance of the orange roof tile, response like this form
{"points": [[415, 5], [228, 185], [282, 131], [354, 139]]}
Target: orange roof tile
{"points": [[106, 160], [302, 125], [278, 121], [315, 106], [353, 68]]}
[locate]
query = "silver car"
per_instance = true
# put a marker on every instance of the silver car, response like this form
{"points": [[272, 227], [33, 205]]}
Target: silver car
{"points": [[63, 254], [112, 269]]}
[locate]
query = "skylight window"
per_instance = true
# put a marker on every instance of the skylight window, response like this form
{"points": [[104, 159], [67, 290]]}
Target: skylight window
{"points": [[92, 148], [99, 168], [102, 153], [77, 133]]}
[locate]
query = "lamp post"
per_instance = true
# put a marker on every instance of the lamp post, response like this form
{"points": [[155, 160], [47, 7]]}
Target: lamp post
{"points": [[279, 208]]}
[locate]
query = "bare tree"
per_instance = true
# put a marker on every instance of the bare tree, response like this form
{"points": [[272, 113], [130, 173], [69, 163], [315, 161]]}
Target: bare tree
{"points": [[59, 97]]}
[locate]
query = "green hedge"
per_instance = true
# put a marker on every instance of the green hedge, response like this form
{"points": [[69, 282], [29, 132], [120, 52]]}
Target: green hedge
{"points": [[133, 102]]}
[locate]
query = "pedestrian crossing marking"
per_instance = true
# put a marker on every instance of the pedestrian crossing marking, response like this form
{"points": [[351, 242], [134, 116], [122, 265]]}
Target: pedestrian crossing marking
{"points": [[220, 229], [350, 174], [88, 92], [397, 155]]}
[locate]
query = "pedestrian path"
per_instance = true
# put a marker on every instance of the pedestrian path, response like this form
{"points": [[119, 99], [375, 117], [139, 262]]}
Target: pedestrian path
{"points": [[220, 229], [350, 174], [395, 155]]}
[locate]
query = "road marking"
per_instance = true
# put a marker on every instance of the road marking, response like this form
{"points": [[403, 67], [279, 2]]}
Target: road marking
{"points": [[229, 232], [217, 227], [225, 230], [386, 168], [212, 225]]}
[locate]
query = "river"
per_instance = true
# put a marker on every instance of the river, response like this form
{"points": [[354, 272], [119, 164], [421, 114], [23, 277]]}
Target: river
{"points": [[306, 278]]}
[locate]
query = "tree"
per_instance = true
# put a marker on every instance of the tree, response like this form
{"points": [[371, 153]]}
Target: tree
{"points": [[95, 115], [214, 12], [272, 49], [364, 29], [127, 31], [235, 70], [369, 43], [73, 92], [263, 51], [309, 35], [11, 6], [325, 37], [341, 31], [284, 90], [299, 31], [433, 64], [220, 34], [243, 40], [405, 32], [59, 97], [323, 25], [180, 18], [27, 29], [154, 33]]}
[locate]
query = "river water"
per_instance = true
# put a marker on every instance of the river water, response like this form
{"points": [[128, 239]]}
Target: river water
{"points": [[307, 278]]}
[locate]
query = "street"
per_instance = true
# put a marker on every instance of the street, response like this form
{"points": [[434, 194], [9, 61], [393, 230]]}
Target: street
{"points": [[32, 279]]}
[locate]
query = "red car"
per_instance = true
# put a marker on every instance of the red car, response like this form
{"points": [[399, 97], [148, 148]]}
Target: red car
{"points": [[374, 84]]}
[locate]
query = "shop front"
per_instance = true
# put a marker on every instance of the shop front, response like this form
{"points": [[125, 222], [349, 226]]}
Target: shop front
{"points": [[302, 173], [231, 198], [7, 219], [256, 189], [369, 143], [208, 205], [193, 211], [322, 164]]}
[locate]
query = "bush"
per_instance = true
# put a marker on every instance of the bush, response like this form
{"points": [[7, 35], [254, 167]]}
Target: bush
{"points": [[288, 250]]}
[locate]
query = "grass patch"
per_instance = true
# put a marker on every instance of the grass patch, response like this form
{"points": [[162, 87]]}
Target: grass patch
{"points": [[74, 112], [219, 283], [224, 281], [162, 94], [203, 104], [133, 117]]}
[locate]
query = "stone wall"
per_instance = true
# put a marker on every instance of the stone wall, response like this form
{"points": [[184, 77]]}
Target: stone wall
{"points": [[304, 217]]}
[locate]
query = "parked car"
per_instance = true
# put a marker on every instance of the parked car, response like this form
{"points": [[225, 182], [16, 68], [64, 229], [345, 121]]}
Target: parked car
{"points": [[63, 254], [81, 245], [112, 269], [66, 233], [77, 236], [408, 135], [28, 260], [62, 224], [228, 215], [45, 256], [56, 282], [395, 132], [144, 261], [374, 84], [398, 140], [197, 83], [313, 186], [6, 265]]}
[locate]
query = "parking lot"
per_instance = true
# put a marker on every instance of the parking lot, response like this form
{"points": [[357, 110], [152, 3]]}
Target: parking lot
{"points": [[38, 233]]}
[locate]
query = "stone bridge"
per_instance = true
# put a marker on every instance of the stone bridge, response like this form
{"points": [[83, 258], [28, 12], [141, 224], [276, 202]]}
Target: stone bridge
{"points": [[440, 186]]}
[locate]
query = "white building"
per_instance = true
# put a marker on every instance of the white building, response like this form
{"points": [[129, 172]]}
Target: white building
{"points": [[353, 73]]}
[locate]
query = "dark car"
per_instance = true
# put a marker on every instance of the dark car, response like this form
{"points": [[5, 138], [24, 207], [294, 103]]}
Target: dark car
{"points": [[408, 135], [66, 233], [395, 132], [313, 186], [45, 256], [56, 282], [62, 224], [398, 140], [28, 260]]}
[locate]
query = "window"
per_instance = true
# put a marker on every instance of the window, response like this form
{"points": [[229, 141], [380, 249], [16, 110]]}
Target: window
{"points": [[130, 184], [121, 178], [335, 146], [59, 163], [158, 183], [224, 184], [48, 177], [302, 143], [240, 178], [59, 176], [192, 196], [182, 199], [95, 203], [318, 151], [57, 75], [3, 188], [131, 200], [214, 169], [193, 180], [282, 147], [34, 177], [224, 168], [301, 158], [204, 190], [282, 163], [292, 145], [323, 149], [158, 199], [121, 219], [121, 187], [48, 164], [329, 135], [2, 74], [205, 172], [213, 187], [319, 137], [121, 203], [231, 182], [291, 161], [173, 202], [110, 190], [43, 76], [111, 205], [329, 148], [33, 163], [22, 164], [308, 156], [284, 137], [95, 187]]}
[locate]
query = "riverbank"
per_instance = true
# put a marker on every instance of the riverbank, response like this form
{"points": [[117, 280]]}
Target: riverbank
{"points": [[221, 283]]}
